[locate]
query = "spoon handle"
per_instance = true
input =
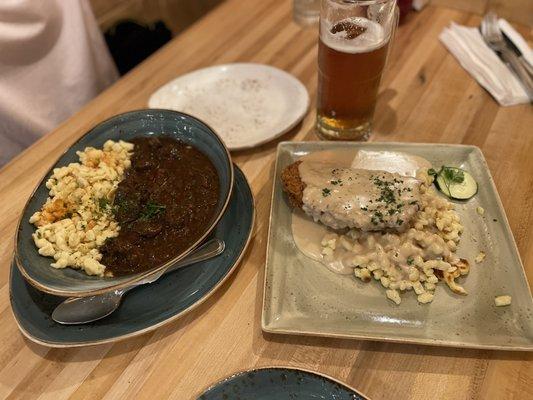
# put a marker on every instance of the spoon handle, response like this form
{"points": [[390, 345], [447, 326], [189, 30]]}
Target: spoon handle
{"points": [[209, 249]]}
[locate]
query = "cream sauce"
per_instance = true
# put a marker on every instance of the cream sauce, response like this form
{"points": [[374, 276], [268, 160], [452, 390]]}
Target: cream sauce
{"points": [[390, 161], [357, 198], [307, 234]]}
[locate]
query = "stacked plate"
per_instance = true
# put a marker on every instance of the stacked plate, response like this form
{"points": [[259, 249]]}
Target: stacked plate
{"points": [[36, 288]]}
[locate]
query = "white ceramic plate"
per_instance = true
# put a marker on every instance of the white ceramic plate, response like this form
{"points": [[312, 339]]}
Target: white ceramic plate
{"points": [[303, 297], [246, 104]]}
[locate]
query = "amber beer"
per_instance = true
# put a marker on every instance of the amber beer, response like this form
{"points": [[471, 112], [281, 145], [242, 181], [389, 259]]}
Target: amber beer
{"points": [[351, 58]]}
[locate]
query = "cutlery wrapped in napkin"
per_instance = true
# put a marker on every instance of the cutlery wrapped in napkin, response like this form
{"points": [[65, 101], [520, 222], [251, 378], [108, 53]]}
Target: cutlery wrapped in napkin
{"points": [[474, 55]]}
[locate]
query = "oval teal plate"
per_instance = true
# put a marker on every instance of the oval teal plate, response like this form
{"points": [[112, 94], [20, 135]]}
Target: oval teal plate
{"points": [[149, 306], [280, 383], [70, 282]]}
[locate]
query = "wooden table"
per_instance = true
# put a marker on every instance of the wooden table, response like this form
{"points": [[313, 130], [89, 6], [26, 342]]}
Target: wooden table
{"points": [[427, 97]]}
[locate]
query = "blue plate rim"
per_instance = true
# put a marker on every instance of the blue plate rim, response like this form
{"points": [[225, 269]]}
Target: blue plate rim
{"points": [[161, 323], [140, 276], [278, 367]]}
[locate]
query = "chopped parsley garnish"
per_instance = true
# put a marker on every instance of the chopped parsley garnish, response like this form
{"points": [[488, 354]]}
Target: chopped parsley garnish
{"points": [[454, 175], [387, 191], [103, 203], [448, 175], [377, 217], [337, 182], [151, 210], [400, 221], [364, 208], [123, 205], [410, 260], [326, 192]]}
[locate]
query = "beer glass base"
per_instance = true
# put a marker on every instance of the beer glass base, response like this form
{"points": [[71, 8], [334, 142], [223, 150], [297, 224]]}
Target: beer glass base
{"points": [[358, 133]]}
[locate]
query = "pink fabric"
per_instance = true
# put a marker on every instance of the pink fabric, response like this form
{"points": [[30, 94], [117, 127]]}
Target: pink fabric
{"points": [[53, 60]]}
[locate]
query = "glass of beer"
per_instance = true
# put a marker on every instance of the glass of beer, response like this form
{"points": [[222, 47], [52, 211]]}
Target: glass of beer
{"points": [[354, 43]]}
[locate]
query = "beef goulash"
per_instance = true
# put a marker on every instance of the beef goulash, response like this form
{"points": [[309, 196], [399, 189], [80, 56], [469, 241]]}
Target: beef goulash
{"points": [[163, 205]]}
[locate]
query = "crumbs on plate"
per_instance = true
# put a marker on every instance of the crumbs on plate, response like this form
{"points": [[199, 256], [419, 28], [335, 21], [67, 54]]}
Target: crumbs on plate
{"points": [[502, 301]]}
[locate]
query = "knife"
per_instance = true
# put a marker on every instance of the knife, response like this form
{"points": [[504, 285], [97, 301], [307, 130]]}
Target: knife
{"points": [[516, 43], [518, 53]]}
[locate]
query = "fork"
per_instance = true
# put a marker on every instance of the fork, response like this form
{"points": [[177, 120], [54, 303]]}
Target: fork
{"points": [[493, 36]]}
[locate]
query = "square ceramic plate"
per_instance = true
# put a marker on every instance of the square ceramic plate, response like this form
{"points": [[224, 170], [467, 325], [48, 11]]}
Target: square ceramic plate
{"points": [[303, 297]]}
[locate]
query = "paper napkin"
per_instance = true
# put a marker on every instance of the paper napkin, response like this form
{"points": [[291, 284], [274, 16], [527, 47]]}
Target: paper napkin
{"points": [[475, 56]]}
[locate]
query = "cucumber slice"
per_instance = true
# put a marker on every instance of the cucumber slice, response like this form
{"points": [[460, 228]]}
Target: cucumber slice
{"points": [[461, 191]]}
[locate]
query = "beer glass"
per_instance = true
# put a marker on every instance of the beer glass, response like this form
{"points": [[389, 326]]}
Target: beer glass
{"points": [[354, 41]]}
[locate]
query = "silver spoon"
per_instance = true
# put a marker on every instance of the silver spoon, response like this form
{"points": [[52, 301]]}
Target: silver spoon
{"points": [[82, 310]]}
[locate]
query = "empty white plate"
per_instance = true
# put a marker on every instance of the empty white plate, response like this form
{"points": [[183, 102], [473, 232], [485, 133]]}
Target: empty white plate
{"points": [[246, 104]]}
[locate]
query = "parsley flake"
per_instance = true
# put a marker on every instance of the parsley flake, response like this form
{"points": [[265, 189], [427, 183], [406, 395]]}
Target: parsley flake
{"points": [[454, 175], [151, 210]]}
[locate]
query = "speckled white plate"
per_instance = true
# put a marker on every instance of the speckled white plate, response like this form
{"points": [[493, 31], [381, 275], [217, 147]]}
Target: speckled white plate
{"points": [[303, 297], [246, 104]]}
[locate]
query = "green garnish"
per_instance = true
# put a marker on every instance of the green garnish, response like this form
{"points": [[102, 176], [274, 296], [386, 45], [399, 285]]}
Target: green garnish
{"points": [[377, 217], [410, 260], [326, 192], [454, 175], [103, 203], [151, 210], [455, 183], [386, 190]]}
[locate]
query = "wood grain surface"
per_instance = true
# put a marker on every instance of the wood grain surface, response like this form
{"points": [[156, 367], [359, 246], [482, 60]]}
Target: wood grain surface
{"points": [[426, 97]]}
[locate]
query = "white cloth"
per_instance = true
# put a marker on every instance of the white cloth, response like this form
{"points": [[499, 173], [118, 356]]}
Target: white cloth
{"points": [[53, 60], [474, 55]]}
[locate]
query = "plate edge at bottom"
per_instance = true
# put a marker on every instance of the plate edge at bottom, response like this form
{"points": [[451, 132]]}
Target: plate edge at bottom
{"points": [[279, 367], [369, 338]]}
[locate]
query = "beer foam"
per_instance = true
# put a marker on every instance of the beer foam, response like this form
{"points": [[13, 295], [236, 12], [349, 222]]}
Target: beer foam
{"points": [[372, 38]]}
